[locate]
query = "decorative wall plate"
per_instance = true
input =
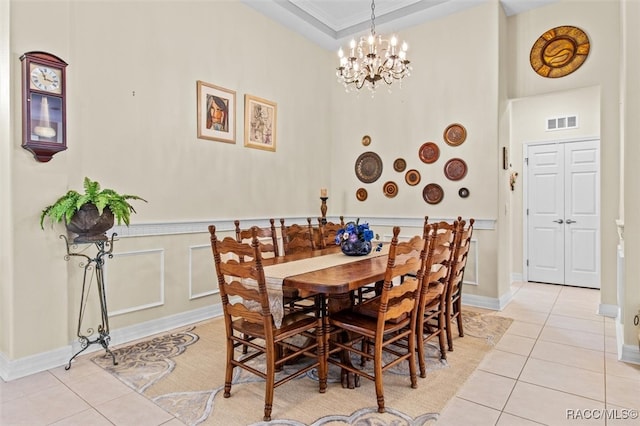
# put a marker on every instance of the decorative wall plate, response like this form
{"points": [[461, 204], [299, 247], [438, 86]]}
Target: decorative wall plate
{"points": [[432, 193], [368, 167], [463, 192], [455, 134], [412, 177], [366, 140], [429, 152], [361, 194], [399, 165], [390, 189], [455, 169], [559, 51]]}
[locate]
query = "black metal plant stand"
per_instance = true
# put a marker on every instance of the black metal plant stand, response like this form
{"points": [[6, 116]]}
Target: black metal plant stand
{"points": [[105, 248]]}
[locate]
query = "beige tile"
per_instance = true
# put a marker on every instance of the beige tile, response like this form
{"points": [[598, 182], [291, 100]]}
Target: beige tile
{"points": [[476, 386], [579, 339], [510, 420], [84, 418], [623, 391], [610, 328], [504, 363], [516, 344], [79, 368], [99, 388], [56, 403], [584, 312], [619, 368], [133, 409], [549, 406], [26, 385], [611, 345], [20, 411], [564, 378], [460, 412], [572, 323], [569, 355], [525, 329], [524, 315]]}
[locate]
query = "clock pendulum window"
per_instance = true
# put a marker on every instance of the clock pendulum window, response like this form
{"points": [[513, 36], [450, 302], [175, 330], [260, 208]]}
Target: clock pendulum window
{"points": [[44, 123]]}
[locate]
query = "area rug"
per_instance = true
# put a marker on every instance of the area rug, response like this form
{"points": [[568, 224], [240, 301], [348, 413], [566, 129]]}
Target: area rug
{"points": [[183, 372]]}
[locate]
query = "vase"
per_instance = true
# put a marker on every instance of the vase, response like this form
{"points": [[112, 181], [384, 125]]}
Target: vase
{"points": [[356, 248], [89, 226]]}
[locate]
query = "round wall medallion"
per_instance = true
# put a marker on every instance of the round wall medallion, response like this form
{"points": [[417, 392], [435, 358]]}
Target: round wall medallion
{"points": [[399, 165], [366, 140], [433, 193], [455, 169], [463, 192], [390, 189], [429, 152], [368, 167], [412, 177], [361, 194], [559, 51], [455, 134]]}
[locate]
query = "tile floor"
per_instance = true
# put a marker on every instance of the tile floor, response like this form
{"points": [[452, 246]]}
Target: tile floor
{"points": [[555, 365]]}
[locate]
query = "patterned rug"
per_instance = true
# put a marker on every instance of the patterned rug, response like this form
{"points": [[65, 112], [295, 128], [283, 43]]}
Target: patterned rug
{"points": [[183, 372]]}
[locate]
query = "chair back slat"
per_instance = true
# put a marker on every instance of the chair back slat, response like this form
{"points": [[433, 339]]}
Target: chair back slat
{"points": [[297, 238], [404, 258], [267, 237]]}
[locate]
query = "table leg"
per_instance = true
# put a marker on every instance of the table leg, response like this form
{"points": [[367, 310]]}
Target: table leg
{"points": [[338, 303]]}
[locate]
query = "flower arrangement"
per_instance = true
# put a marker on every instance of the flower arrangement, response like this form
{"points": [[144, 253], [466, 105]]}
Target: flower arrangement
{"points": [[355, 238], [354, 231]]}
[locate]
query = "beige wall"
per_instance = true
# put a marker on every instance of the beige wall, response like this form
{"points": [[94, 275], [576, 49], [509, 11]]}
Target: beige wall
{"points": [[146, 144]]}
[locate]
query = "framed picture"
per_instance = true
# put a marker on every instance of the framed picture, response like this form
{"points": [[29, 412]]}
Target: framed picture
{"points": [[216, 113], [259, 123]]}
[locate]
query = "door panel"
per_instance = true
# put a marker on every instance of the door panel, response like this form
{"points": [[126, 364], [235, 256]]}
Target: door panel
{"points": [[545, 205], [582, 214], [563, 202]]}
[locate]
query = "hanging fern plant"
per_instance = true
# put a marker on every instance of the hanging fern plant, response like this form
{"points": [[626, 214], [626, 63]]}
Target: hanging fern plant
{"points": [[70, 203]]}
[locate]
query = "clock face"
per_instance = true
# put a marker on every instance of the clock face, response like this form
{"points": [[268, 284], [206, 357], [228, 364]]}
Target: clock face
{"points": [[46, 79]]}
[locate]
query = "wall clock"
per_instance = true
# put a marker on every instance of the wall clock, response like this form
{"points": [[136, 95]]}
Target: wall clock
{"points": [[44, 123]]}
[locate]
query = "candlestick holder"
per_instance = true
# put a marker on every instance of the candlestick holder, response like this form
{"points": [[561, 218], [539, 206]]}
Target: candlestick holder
{"points": [[323, 209]]}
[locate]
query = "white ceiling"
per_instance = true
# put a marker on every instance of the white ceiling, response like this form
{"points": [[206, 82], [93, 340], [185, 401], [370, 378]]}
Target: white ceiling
{"points": [[331, 23]]}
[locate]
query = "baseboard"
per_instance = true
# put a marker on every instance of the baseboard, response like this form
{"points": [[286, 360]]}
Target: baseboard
{"points": [[15, 369], [610, 311], [630, 353]]}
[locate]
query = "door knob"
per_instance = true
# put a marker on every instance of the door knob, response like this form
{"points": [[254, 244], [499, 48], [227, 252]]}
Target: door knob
{"points": [[559, 221], [569, 221]]}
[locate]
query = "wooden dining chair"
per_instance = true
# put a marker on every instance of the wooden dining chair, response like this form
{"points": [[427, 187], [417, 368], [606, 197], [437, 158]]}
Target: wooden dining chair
{"points": [[431, 321], [297, 238], [234, 278], [328, 232], [454, 288], [379, 323], [267, 238]]}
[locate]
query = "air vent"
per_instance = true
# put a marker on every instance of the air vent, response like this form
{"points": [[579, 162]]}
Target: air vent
{"points": [[562, 123]]}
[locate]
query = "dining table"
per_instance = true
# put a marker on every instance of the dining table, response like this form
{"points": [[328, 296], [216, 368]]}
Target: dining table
{"points": [[331, 275]]}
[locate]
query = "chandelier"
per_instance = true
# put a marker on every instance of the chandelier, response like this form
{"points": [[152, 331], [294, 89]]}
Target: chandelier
{"points": [[372, 59]]}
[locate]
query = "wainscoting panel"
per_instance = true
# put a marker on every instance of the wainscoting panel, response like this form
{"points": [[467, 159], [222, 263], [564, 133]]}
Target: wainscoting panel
{"points": [[134, 281], [202, 273]]}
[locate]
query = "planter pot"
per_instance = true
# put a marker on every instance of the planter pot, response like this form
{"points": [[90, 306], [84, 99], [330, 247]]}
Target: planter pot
{"points": [[357, 248], [89, 226]]}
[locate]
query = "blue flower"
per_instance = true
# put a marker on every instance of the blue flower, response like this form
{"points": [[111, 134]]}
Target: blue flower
{"points": [[354, 231]]}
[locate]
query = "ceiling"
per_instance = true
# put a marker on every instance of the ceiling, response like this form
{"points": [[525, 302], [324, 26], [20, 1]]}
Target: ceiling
{"points": [[331, 23]]}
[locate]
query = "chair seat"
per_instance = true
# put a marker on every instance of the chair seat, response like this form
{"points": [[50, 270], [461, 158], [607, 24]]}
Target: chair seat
{"points": [[364, 324], [290, 325], [370, 308]]}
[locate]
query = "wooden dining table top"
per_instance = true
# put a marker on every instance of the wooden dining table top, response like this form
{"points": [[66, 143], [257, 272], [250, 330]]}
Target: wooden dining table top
{"points": [[338, 279]]}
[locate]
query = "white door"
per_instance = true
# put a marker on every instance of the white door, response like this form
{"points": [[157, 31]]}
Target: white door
{"points": [[563, 220]]}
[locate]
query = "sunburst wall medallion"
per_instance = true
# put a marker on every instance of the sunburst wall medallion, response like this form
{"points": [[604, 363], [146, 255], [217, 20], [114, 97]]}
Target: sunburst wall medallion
{"points": [[559, 51]]}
